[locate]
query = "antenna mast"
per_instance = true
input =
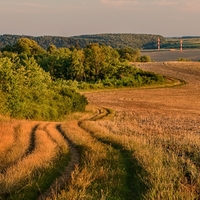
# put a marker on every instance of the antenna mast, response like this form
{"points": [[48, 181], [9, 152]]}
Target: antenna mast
{"points": [[181, 45], [158, 43]]}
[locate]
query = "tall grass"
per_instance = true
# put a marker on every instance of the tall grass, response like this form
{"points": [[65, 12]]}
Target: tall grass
{"points": [[101, 173], [15, 139], [167, 147], [37, 159]]}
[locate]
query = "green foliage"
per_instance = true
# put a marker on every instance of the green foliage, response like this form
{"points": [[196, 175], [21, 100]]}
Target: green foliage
{"points": [[114, 40], [39, 84], [183, 59], [129, 54], [145, 58], [27, 91]]}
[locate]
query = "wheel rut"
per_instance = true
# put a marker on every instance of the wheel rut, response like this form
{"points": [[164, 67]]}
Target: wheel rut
{"points": [[131, 165], [60, 182], [29, 150]]}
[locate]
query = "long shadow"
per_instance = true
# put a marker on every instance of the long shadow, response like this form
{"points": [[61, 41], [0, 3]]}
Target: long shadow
{"points": [[135, 184], [136, 187], [65, 169], [31, 147]]}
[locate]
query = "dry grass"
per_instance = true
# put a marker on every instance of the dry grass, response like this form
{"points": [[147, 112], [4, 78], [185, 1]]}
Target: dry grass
{"points": [[42, 154], [29, 149], [96, 176], [15, 142]]}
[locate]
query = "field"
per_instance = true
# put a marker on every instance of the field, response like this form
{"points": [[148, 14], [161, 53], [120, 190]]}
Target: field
{"points": [[164, 55], [129, 144]]}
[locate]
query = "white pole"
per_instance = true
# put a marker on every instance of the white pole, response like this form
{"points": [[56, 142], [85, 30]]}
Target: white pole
{"points": [[158, 43], [181, 46]]}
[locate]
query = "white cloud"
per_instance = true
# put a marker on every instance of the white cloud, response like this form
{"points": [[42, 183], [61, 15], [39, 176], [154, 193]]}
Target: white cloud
{"points": [[120, 2], [164, 3]]}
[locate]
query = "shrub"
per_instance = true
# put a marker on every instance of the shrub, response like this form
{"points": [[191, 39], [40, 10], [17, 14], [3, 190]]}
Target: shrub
{"points": [[183, 59], [27, 91]]}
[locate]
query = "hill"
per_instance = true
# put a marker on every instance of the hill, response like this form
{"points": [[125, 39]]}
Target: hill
{"points": [[114, 40]]}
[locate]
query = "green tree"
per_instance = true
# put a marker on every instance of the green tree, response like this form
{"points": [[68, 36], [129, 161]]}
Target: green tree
{"points": [[76, 70], [145, 58], [28, 46], [94, 61], [56, 62], [129, 54]]}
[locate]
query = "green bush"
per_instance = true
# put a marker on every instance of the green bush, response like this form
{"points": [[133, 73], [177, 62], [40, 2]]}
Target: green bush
{"points": [[183, 59], [27, 91]]}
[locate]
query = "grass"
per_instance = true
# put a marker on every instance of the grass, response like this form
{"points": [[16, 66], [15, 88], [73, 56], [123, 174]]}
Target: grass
{"points": [[170, 173], [101, 173], [32, 172]]}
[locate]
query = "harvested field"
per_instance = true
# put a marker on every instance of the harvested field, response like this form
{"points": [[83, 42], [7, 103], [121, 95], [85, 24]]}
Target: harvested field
{"points": [[164, 55]]}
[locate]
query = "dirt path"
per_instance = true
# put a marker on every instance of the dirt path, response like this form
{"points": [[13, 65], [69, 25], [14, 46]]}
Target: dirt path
{"points": [[61, 181]]}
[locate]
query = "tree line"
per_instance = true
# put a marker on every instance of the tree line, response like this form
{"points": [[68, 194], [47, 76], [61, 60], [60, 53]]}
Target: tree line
{"points": [[114, 40], [42, 84]]}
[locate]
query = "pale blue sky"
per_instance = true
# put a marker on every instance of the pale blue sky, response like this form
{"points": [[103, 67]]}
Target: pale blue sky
{"points": [[77, 17]]}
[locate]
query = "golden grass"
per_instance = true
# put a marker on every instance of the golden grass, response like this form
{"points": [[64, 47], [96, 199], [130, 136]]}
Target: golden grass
{"points": [[34, 148], [15, 144], [95, 176], [170, 159]]}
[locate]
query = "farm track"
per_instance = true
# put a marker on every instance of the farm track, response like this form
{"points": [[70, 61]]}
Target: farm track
{"points": [[29, 150], [61, 181], [32, 147], [130, 165]]}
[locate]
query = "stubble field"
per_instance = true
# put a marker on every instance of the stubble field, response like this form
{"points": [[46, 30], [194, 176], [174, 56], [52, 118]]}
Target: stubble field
{"points": [[163, 55], [130, 144]]}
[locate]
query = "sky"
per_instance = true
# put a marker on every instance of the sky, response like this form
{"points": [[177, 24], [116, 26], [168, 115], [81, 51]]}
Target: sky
{"points": [[169, 18]]}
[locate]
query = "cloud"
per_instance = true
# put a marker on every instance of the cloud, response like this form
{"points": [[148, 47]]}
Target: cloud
{"points": [[157, 3], [27, 7], [120, 2], [164, 3]]}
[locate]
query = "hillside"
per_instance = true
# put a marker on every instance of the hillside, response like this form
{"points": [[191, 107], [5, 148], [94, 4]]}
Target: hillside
{"points": [[113, 40]]}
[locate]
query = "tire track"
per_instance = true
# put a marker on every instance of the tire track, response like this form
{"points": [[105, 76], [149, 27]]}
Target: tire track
{"points": [[32, 142], [61, 181], [134, 183], [29, 150]]}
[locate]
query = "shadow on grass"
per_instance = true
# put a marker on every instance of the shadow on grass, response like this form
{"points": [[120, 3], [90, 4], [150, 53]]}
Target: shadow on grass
{"points": [[136, 187]]}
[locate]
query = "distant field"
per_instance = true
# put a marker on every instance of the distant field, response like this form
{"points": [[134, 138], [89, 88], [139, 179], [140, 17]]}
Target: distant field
{"points": [[173, 54]]}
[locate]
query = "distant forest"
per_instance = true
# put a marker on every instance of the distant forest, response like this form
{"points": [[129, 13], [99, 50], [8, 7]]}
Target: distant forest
{"points": [[139, 41]]}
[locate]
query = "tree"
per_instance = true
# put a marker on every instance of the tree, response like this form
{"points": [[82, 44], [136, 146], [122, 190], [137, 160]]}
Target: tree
{"points": [[76, 70], [28, 46], [94, 61], [145, 58], [129, 54]]}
